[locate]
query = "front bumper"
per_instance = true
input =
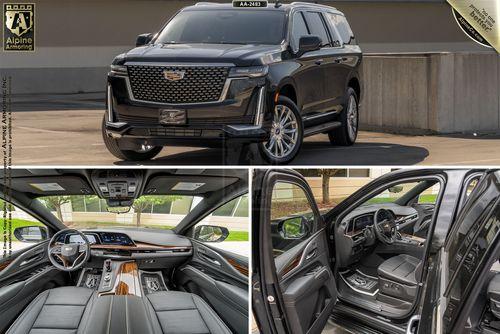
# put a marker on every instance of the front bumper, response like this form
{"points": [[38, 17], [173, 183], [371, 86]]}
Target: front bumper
{"points": [[237, 117]]}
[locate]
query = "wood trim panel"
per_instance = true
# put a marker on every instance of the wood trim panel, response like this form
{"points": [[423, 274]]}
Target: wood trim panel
{"points": [[292, 265], [138, 247], [127, 281], [5, 264], [242, 269]]}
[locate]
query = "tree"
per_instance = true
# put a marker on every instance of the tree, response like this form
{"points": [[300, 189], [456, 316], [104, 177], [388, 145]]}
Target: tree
{"points": [[56, 203], [143, 202], [326, 174]]}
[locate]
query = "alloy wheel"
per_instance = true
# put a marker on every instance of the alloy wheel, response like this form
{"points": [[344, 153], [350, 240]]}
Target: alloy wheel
{"points": [[284, 133], [352, 118]]}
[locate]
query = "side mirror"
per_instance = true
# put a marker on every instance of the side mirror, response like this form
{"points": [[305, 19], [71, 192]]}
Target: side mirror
{"points": [[309, 43], [209, 233], [294, 228], [31, 233], [143, 39]]}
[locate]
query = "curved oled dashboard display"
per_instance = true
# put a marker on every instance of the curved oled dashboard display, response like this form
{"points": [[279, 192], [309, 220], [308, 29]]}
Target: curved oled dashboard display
{"points": [[103, 238]]}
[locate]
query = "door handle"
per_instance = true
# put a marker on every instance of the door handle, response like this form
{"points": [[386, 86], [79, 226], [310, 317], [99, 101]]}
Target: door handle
{"points": [[319, 61], [413, 324], [340, 59], [311, 254], [211, 260]]}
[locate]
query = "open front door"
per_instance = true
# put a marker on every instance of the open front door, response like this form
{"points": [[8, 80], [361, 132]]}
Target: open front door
{"points": [[293, 285]]}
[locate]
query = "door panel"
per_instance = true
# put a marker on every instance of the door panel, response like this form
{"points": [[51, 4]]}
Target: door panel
{"points": [[25, 275], [294, 279], [221, 278]]}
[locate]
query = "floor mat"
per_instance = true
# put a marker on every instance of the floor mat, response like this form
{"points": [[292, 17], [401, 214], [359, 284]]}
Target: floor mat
{"points": [[152, 281], [360, 282]]}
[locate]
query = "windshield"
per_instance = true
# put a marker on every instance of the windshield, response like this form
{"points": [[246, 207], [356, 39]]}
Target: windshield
{"points": [[225, 27], [152, 211]]}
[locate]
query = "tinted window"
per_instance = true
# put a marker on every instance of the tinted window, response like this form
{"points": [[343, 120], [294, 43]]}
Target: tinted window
{"points": [[299, 29], [343, 28], [315, 24], [225, 26]]}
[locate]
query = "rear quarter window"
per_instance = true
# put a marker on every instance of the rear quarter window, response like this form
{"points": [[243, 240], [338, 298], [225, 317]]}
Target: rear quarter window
{"points": [[339, 22]]}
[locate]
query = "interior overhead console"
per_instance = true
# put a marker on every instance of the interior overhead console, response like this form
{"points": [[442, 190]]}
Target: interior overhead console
{"points": [[117, 184]]}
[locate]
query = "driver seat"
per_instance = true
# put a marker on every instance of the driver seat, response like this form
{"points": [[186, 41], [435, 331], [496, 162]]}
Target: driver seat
{"points": [[59, 310], [398, 276]]}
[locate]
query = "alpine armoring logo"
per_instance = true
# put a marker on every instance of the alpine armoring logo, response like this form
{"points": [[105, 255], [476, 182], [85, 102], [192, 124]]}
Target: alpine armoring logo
{"points": [[19, 27]]}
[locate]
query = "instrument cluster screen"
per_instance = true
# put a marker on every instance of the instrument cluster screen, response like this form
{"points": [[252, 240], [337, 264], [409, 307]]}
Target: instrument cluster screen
{"points": [[76, 238]]}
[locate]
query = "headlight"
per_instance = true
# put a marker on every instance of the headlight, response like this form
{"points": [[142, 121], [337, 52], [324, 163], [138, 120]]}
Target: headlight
{"points": [[119, 69], [251, 72]]}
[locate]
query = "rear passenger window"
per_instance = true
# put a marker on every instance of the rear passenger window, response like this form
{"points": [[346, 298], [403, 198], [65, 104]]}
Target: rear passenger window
{"points": [[299, 29], [316, 26], [340, 23]]}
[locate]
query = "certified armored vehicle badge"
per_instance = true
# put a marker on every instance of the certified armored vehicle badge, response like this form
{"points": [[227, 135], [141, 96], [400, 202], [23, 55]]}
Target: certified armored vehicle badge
{"points": [[479, 19], [19, 27]]}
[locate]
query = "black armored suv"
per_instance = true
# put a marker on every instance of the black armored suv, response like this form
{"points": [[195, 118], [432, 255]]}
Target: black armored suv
{"points": [[219, 75]]}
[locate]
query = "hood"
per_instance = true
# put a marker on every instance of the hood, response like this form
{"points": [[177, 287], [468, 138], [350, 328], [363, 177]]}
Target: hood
{"points": [[240, 55]]}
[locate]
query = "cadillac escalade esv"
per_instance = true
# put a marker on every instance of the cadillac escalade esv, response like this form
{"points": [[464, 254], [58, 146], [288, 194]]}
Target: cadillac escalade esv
{"points": [[216, 75]]}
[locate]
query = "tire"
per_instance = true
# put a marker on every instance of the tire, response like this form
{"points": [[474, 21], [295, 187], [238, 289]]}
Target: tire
{"points": [[346, 134], [267, 150], [130, 155]]}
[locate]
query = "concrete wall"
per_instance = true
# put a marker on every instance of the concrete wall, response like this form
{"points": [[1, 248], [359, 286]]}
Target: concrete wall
{"points": [[432, 92]]}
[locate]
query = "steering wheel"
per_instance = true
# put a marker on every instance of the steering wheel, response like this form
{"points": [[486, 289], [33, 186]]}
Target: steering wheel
{"points": [[73, 255], [384, 224]]}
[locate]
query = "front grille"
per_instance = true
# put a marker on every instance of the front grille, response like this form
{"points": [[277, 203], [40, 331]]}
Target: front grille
{"points": [[201, 84]]}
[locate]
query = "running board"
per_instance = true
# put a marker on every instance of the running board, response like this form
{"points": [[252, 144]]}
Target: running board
{"points": [[321, 128]]}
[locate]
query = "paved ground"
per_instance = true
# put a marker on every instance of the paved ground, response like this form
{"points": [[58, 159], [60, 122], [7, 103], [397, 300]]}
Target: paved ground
{"points": [[65, 130]]}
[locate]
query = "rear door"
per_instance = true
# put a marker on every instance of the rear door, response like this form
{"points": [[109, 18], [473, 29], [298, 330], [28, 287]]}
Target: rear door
{"points": [[293, 285], [466, 257]]}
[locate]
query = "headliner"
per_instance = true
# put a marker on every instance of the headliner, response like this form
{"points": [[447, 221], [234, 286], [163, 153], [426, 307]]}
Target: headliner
{"points": [[78, 181]]}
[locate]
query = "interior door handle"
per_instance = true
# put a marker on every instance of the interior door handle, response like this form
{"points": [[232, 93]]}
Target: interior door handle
{"points": [[211, 260], [340, 59], [311, 254], [319, 61]]}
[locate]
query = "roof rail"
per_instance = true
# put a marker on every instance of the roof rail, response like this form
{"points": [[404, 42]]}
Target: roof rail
{"points": [[303, 3]]}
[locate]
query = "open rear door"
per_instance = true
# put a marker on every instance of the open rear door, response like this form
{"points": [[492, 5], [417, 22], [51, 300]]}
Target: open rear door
{"points": [[293, 285]]}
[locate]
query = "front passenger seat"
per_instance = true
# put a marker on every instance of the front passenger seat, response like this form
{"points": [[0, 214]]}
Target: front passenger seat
{"points": [[398, 277]]}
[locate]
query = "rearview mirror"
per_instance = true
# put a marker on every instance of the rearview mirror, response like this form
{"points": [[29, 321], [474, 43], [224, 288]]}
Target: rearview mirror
{"points": [[31, 233], [309, 43], [143, 39], [210, 233], [294, 228], [119, 205], [119, 209], [395, 189]]}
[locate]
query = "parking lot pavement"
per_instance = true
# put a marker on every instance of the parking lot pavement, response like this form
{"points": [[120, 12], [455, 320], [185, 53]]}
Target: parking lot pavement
{"points": [[66, 135]]}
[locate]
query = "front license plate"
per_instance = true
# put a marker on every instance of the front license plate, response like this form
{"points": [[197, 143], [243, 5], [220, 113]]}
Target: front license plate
{"points": [[172, 116]]}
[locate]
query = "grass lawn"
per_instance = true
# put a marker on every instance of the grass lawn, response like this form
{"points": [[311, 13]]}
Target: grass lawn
{"points": [[237, 236]]}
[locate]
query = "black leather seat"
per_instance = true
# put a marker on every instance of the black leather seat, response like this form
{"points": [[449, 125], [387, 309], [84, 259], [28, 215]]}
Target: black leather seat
{"points": [[398, 276], [72, 310], [185, 313], [56, 311]]}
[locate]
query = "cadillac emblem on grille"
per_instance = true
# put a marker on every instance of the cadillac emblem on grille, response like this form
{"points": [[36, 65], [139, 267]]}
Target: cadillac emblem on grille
{"points": [[174, 75]]}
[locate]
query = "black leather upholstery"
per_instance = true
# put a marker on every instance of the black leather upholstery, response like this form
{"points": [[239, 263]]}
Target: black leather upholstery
{"points": [[56, 311], [185, 313], [494, 295], [72, 310], [398, 276], [402, 269]]}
